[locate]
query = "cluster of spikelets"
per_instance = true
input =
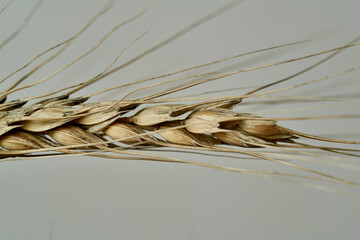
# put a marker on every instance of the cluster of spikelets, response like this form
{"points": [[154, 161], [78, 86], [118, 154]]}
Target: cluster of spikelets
{"points": [[67, 121], [73, 126], [70, 122]]}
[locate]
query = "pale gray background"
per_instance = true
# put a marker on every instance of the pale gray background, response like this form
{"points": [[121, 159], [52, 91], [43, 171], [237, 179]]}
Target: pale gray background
{"points": [[88, 198]]}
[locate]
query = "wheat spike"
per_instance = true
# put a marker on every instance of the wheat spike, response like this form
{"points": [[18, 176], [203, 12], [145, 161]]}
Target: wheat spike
{"points": [[75, 125], [207, 121]]}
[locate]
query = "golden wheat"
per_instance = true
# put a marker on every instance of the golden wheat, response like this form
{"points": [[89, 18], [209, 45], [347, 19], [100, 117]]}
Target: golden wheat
{"points": [[250, 110], [69, 125]]}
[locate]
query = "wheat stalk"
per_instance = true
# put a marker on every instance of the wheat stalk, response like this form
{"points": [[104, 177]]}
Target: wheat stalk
{"points": [[70, 125]]}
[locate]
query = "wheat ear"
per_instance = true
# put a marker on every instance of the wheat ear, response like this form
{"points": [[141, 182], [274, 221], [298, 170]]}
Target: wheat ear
{"points": [[69, 125]]}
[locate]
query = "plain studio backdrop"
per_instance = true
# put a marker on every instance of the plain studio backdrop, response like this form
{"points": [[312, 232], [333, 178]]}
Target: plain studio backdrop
{"points": [[92, 198]]}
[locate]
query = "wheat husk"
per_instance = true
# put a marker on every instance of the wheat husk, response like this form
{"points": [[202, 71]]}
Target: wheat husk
{"points": [[127, 133], [21, 140], [72, 135], [157, 114]]}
